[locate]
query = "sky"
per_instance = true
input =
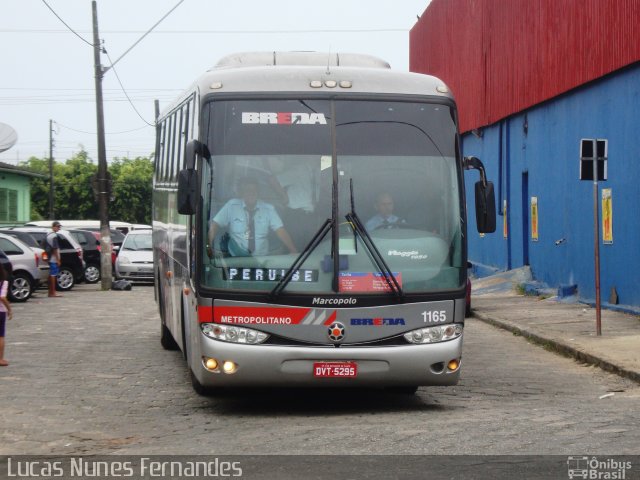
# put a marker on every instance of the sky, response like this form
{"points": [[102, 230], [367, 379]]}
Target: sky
{"points": [[47, 73]]}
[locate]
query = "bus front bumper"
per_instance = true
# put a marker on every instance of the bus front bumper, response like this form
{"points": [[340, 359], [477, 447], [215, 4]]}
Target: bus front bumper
{"points": [[271, 365]]}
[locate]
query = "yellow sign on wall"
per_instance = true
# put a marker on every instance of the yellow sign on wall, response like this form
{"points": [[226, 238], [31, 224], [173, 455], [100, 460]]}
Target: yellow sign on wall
{"points": [[607, 216], [505, 225], [534, 219]]}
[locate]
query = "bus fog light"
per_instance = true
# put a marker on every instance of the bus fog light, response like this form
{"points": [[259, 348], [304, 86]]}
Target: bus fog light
{"points": [[441, 333], [210, 364], [228, 333], [229, 367], [453, 365]]}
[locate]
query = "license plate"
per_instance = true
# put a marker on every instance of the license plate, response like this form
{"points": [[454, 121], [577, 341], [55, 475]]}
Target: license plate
{"points": [[335, 369]]}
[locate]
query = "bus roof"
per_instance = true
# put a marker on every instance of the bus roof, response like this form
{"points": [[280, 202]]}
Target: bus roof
{"points": [[318, 59], [312, 73]]}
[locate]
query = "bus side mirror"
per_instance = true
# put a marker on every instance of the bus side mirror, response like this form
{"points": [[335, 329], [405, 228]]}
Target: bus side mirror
{"points": [[187, 191], [485, 207], [485, 197], [188, 177]]}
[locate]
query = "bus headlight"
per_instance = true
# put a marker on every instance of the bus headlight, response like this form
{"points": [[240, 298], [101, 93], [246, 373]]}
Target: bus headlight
{"points": [[233, 334], [441, 333]]}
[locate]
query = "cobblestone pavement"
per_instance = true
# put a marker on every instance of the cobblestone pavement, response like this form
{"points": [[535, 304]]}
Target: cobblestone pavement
{"points": [[88, 376]]}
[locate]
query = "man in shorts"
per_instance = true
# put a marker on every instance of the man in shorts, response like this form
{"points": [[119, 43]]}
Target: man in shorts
{"points": [[52, 244]]}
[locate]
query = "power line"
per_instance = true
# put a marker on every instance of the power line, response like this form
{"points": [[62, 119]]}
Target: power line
{"points": [[124, 91], [106, 133], [66, 25], [146, 33], [91, 89], [225, 32]]}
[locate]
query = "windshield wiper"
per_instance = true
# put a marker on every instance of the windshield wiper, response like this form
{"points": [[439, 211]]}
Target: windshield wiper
{"points": [[311, 246], [355, 221]]}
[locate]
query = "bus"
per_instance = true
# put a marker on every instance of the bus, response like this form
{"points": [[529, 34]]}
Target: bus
{"points": [[309, 224]]}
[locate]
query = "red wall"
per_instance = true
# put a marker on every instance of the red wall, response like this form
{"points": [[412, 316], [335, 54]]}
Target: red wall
{"points": [[503, 56]]}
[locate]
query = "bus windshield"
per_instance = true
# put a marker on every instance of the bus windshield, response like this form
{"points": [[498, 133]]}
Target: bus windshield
{"points": [[279, 169]]}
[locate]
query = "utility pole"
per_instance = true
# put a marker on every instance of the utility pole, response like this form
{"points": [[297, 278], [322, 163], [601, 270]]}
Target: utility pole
{"points": [[51, 211], [102, 183]]}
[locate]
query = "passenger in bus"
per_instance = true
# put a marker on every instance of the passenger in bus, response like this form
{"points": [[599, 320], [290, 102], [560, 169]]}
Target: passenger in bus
{"points": [[294, 185], [385, 217], [248, 221]]}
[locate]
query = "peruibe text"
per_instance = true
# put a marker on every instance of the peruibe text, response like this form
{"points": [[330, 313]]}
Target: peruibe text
{"points": [[268, 274]]}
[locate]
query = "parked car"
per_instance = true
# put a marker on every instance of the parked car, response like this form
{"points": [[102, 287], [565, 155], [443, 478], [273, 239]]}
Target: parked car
{"points": [[135, 258], [6, 263], [90, 252], [72, 268], [31, 242], [27, 274], [116, 242], [24, 236]]}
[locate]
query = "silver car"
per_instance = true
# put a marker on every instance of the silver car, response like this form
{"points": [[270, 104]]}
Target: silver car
{"points": [[29, 268], [135, 257]]}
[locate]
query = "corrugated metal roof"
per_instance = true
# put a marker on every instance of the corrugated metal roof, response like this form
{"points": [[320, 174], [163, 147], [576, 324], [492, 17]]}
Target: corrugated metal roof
{"points": [[500, 57]]}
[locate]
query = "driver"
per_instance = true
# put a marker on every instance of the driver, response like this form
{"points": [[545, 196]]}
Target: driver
{"points": [[385, 217], [249, 221]]}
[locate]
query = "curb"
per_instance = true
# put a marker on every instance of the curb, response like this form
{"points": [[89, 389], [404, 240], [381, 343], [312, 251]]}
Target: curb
{"points": [[561, 348]]}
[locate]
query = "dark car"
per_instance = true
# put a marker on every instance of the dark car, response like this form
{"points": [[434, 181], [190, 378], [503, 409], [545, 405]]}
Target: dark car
{"points": [[72, 268], [116, 242], [6, 263], [91, 254], [117, 237]]}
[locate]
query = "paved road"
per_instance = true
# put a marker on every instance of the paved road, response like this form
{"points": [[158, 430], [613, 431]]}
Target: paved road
{"points": [[88, 376]]}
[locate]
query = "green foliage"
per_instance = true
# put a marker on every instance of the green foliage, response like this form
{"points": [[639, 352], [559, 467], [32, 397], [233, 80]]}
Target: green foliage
{"points": [[74, 197], [131, 189]]}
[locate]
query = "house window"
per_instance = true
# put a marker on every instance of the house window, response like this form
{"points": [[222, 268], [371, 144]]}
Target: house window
{"points": [[8, 205]]}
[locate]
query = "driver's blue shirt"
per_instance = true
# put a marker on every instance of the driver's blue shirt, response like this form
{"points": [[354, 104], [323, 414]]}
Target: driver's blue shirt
{"points": [[234, 216], [378, 221]]}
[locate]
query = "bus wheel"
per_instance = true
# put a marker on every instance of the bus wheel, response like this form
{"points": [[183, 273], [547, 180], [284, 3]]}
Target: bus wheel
{"points": [[199, 388], [166, 339]]}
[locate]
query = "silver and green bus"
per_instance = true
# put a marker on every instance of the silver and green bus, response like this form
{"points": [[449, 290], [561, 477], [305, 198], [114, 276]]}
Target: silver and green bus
{"points": [[309, 224]]}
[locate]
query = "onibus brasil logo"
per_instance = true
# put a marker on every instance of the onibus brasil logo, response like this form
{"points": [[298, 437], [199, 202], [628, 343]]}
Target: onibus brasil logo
{"points": [[594, 468]]}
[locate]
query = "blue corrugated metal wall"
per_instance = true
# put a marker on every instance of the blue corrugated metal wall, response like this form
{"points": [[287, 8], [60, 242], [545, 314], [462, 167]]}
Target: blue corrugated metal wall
{"points": [[547, 157]]}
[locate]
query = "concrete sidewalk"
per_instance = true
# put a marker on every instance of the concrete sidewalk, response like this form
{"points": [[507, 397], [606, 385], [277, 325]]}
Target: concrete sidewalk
{"points": [[565, 327]]}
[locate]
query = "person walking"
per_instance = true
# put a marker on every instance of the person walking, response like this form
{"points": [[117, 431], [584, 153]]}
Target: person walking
{"points": [[5, 311], [52, 244]]}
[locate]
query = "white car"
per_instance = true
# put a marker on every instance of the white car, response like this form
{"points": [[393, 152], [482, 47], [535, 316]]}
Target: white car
{"points": [[135, 257], [29, 269]]}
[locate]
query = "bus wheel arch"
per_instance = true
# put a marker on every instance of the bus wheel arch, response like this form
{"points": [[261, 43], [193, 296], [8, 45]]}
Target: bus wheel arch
{"points": [[166, 337], [184, 332]]}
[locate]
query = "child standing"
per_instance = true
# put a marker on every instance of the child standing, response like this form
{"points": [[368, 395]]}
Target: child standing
{"points": [[5, 311]]}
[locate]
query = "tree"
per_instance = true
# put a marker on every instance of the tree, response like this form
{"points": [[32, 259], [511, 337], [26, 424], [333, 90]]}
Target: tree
{"points": [[74, 196], [131, 189]]}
